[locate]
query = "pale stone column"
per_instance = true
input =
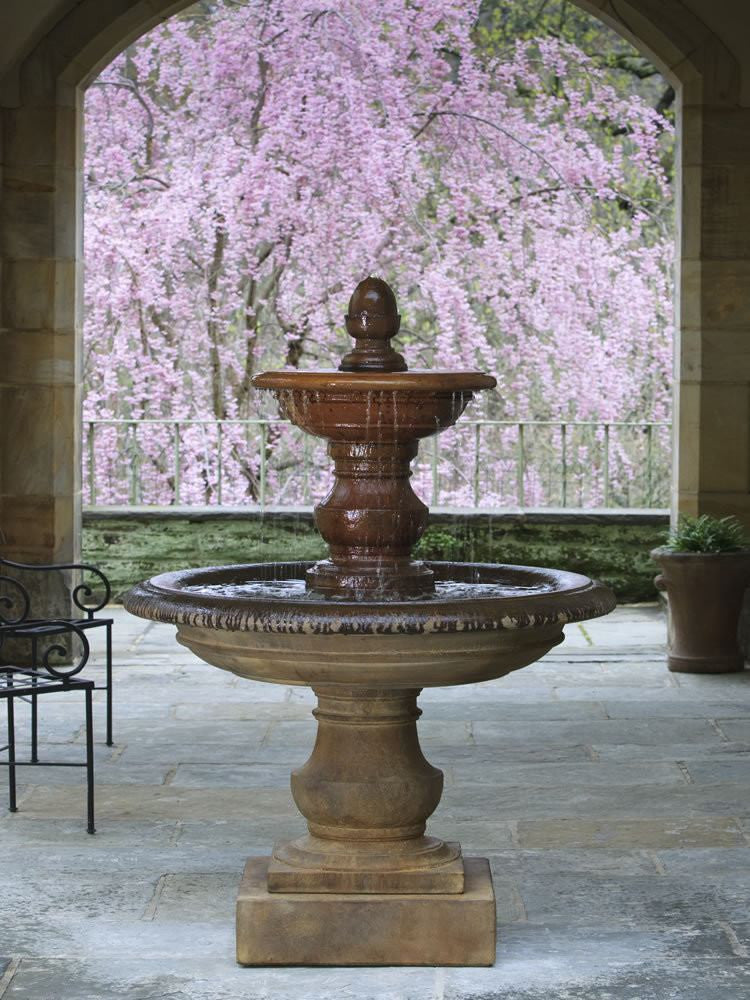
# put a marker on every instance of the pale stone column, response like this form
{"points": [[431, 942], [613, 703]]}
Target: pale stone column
{"points": [[39, 329], [40, 269], [713, 351]]}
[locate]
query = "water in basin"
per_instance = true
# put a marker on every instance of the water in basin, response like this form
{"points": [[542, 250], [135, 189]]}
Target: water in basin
{"points": [[295, 591]]}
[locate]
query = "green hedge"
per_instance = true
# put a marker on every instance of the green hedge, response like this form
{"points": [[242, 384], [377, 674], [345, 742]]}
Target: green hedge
{"points": [[131, 544]]}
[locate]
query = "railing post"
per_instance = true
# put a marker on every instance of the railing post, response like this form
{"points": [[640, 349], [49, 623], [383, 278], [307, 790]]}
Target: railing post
{"points": [[606, 465], [477, 436], [219, 460], [306, 468], [177, 461], [134, 463], [249, 442], [92, 462], [435, 471], [263, 470], [521, 468], [127, 450]]}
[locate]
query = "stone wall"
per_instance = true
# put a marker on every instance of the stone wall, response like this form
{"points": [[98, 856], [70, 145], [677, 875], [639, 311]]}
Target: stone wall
{"points": [[130, 544]]}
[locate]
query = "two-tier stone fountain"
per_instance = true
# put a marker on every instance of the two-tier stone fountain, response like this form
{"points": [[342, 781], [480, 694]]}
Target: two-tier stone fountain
{"points": [[367, 629]]}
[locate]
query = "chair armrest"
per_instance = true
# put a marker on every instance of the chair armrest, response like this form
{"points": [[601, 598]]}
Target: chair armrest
{"points": [[77, 593], [59, 670]]}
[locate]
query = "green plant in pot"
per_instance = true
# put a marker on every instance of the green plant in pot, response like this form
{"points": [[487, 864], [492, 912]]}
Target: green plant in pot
{"points": [[705, 571]]}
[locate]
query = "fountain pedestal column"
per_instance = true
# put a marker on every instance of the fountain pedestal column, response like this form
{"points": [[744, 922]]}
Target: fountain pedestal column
{"points": [[366, 793], [366, 885], [371, 520]]}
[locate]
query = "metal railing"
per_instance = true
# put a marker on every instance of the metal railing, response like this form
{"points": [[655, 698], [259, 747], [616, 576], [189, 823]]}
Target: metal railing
{"points": [[618, 463]]}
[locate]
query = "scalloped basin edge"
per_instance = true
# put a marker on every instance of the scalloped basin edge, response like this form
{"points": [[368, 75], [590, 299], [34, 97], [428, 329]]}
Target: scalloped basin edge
{"points": [[415, 643]]}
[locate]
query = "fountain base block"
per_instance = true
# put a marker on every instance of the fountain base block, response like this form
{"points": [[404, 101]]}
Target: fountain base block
{"points": [[394, 874], [315, 928]]}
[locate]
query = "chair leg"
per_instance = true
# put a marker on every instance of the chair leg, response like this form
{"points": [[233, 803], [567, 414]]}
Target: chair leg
{"points": [[34, 709], [109, 686], [11, 754], [89, 763]]}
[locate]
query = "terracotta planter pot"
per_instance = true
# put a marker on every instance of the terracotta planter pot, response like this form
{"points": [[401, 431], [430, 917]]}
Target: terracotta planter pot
{"points": [[706, 591]]}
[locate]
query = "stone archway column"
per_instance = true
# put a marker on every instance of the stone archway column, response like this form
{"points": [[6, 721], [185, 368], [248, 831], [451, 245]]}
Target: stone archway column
{"points": [[712, 343], [712, 358], [40, 273], [39, 366]]}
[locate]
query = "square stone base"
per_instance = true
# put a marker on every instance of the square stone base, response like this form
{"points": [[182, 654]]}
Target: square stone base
{"points": [[358, 929]]}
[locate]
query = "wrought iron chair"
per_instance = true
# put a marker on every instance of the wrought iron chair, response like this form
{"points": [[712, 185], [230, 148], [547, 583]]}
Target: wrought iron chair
{"points": [[46, 677], [22, 625]]}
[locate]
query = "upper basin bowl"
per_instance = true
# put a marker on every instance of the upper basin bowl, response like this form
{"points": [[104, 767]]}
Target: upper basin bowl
{"points": [[373, 406], [258, 621]]}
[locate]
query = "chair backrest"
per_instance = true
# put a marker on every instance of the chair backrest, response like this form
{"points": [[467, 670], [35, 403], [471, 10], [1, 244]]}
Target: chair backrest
{"points": [[78, 591]]}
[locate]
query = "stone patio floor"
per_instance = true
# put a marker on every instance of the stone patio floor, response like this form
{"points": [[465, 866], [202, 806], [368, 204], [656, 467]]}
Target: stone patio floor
{"points": [[612, 798]]}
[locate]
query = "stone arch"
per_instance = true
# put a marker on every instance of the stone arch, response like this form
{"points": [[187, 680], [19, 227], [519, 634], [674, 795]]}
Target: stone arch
{"points": [[40, 243], [674, 38]]}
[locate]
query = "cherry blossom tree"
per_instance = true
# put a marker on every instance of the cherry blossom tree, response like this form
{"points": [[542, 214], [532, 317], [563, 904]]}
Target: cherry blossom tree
{"points": [[249, 161]]}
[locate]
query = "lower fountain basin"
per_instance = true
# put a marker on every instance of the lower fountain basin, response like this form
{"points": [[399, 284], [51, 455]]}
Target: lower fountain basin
{"points": [[259, 622]]}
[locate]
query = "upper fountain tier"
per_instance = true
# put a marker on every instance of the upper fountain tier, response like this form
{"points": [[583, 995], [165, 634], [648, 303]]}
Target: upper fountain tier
{"points": [[373, 365], [372, 411]]}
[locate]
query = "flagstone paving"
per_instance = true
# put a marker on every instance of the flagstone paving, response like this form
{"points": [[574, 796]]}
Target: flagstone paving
{"points": [[611, 797]]}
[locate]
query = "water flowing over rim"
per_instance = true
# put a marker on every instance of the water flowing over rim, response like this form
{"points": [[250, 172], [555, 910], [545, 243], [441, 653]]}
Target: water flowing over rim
{"points": [[166, 599], [365, 381]]}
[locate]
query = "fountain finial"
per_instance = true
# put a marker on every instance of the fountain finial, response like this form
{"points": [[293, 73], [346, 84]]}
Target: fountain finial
{"points": [[372, 320]]}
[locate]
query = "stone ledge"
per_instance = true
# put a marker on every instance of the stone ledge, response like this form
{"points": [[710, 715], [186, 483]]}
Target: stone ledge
{"points": [[438, 515]]}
